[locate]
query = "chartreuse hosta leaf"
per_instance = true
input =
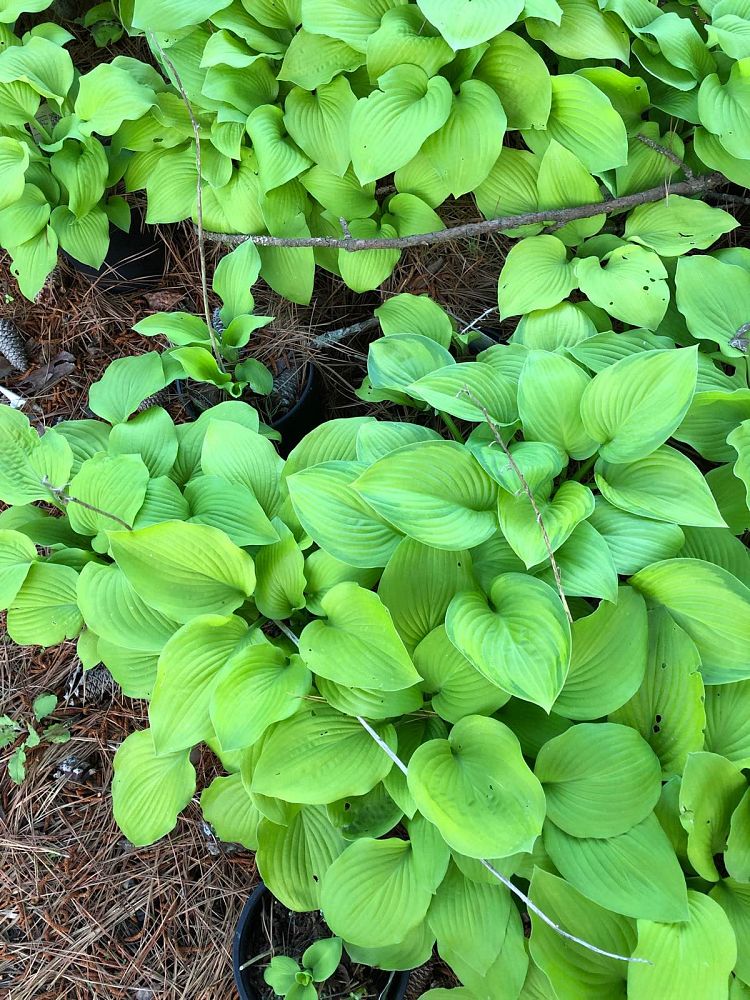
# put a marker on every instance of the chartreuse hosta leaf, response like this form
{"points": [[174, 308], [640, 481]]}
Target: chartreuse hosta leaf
{"points": [[562, 425], [280, 589], [456, 687], [415, 314], [633, 540], [332, 511], [186, 676], [536, 275], [463, 786], [465, 23], [415, 949], [29, 459], [200, 570], [714, 418], [536, 461], [319, 122], [636, 873], [115, 612], [665, 486], [739, 440], [404, 37], [372, 815], [293, 858], [608, 660], [633, 406], [228, 808], [629, 283], [377, 891], [319, 755], [398, 361], [668, 709], [677, 225], [381, 437], [737, 854], [570, 505], [469, 920], [389, 126], [149, 790], [599, 780], [583, 120], [714, 297], [357, 644], [505, 640], [17, 553], [695, 957], [418, 584], [711, 605], [434, 492], [578, 972], [244, 458], [45, 611], [468, 390], [585, 565], [257, 687], [727, 724], [711, 790], [463, 150]]}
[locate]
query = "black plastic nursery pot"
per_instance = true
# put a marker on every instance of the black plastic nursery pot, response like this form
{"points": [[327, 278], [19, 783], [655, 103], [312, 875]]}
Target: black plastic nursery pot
{"points": [[305, 415], [134, 261], [243, 951]]}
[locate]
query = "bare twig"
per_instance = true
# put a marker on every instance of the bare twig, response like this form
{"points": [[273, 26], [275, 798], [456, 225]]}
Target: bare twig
{"points": [[393, 756], [556, 927], [668, 153], [199, 199], [478, 320], [690, 186], [334, 336], [466, 391], [59, 493]]}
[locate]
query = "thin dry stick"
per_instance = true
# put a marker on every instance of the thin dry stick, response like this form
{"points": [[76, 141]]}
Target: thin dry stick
{"points": [[466, 391], [199, 200], [59, 493], [690, 186], [668, 153], [505, 881]]}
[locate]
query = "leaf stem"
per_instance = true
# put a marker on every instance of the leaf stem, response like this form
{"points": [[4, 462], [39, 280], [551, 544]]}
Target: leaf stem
{"points": [[452, 426], [584, 470]]}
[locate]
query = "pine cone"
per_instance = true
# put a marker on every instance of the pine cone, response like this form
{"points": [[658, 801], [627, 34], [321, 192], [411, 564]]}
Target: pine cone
{"points": [[160, 398], [217, 322], [12, 346]]}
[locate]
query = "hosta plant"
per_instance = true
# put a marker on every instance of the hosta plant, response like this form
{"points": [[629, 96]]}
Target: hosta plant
{"points": [[297, 980], [58, 166], [205, 348], [452, 683], [360, 118]]}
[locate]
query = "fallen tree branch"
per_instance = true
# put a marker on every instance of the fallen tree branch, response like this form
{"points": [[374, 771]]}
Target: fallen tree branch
{"points": [[335, 336], [690, 186]]}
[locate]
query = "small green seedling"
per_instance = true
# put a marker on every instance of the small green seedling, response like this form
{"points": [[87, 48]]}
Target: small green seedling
{"points": [[57, 732], [296, 981]]}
